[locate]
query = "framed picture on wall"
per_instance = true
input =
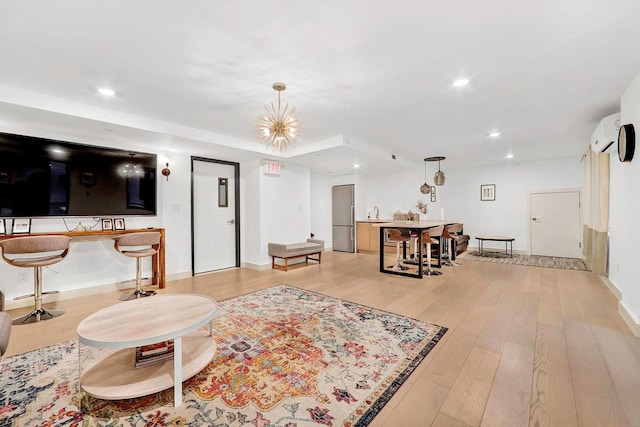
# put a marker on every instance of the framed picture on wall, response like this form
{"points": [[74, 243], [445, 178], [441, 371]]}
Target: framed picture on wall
{"points": [[433, 193], [3, 228], [107, 224], [21, 226], [118, 223], [488, 192]]}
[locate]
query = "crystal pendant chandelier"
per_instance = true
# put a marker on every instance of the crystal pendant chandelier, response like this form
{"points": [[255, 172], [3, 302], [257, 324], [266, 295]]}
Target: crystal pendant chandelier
{"points": [[131, 170], [425, 188], [278, 128]]}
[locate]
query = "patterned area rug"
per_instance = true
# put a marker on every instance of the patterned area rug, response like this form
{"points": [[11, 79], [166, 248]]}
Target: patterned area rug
{"points": [[533, 260], [286, 357]]}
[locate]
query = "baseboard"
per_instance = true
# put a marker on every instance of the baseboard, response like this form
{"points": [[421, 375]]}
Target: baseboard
{"points": [[90, 291], [613, 288], [622, 310], [633, 325], [257, 267]]}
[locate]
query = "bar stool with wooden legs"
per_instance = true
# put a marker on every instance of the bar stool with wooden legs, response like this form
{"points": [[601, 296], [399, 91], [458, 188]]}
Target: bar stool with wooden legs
{"points": [[35, 252], [396, 235], [138, 246], [429, 238], [449, 234]]}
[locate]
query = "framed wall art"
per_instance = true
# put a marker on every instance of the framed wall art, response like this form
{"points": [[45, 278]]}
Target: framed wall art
{"points": [[488, 192], [107, 224], [21, 226]]}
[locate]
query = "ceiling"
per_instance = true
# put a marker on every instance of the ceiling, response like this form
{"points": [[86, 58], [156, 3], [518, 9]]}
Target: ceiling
{"points": [[368, 79]]}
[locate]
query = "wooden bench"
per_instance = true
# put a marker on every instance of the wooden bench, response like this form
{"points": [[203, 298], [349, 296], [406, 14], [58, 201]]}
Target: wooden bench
{"points": [[295, 250]]}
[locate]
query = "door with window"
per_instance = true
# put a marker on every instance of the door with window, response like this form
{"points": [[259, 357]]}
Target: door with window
{"points": [[555, 223], [215, 215]]}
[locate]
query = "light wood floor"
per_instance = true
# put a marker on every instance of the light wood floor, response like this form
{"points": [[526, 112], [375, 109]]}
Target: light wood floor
{"points": [[525, 346]]}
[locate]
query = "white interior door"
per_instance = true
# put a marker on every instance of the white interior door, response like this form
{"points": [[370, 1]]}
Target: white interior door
{"points": [[214, 216], [555, 224]]}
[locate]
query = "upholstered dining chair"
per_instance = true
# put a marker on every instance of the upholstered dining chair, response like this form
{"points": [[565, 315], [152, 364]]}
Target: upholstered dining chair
{"points": [[35, 252], [449, 234], [398, 236], [138, 246], [429, 237]]}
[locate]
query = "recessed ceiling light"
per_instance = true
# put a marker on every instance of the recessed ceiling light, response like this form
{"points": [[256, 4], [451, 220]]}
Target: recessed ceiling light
{"points": [[356, 165], [508, 156], [106, 91], [461, 82], [494, 134]]}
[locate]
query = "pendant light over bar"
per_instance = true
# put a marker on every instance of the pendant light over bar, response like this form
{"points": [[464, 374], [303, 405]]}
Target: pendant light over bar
{"points": [[425, 188], [439, 177]]}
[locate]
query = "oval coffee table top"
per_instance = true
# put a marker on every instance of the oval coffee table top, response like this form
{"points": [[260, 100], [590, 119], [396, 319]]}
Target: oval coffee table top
{"points": [[147, 320]]}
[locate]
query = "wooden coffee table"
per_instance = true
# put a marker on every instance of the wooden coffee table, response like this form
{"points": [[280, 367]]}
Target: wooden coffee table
{"points": [[141, 322]]}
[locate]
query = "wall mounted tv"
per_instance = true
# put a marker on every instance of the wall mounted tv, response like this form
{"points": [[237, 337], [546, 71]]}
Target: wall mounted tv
{"points": [[43, 177]]}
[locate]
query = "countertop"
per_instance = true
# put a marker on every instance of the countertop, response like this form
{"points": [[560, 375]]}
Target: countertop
{"points": [[373, 220]]}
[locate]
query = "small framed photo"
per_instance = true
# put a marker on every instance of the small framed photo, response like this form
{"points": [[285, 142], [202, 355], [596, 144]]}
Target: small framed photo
{"points": [[3, 227], [118, 223], [488, 192], [107, 224], [433, 193], [21, 226], [88, 178]]}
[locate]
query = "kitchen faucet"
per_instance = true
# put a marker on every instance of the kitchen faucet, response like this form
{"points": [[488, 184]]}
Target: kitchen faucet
{"points": [[377, 212]]}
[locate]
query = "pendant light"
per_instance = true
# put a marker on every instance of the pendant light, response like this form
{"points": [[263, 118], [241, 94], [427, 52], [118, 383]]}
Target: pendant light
{"points": [[439, 177], [425, 188]]}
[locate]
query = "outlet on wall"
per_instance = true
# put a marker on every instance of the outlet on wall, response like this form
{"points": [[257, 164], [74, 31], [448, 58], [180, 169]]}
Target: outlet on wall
{"points": [[22, 277]]}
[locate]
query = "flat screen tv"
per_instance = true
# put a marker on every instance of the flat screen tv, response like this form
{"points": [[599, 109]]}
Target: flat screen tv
{"points": [[43, 177]]}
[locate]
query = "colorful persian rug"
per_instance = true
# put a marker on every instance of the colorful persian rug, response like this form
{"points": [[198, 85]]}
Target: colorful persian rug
{"points": [[531, 260], [286, 357]]}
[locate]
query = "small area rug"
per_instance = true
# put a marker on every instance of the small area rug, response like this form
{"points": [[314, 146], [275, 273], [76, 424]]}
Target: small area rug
{"points": [[286, 357], [532, 260]]}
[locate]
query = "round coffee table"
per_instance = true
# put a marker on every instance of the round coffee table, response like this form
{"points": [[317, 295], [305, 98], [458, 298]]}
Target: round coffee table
{"points": [[147, 321]]}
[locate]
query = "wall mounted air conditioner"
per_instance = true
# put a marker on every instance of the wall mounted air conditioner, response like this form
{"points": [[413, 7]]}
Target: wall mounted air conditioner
{"points": [[606, 133]]}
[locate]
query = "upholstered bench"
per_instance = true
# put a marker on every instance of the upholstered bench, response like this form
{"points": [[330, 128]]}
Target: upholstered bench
{"points": [[295, 250]]}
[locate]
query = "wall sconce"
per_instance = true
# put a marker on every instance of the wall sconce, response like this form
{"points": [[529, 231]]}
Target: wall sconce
{"points": [[166, 171]]}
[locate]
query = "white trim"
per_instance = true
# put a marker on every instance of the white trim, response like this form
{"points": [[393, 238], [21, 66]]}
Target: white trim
{"points": [[257, 267], [622, 310], [626, 316]]}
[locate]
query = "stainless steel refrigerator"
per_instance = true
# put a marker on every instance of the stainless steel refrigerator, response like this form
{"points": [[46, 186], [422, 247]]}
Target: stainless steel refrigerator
{"points": [[343, 218]]}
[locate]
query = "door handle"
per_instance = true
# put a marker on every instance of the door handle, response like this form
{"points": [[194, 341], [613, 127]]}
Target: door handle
{"points": [[536, 219], [231, 221]]}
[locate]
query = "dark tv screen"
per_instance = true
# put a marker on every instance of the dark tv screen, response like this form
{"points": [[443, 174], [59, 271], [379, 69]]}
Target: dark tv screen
{"points": [[43, 177]]}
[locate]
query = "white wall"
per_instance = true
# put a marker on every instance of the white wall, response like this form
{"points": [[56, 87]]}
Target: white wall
{"points": [[285, 208], [460, 196], [250, 213], [321, 208], [625, 210]]}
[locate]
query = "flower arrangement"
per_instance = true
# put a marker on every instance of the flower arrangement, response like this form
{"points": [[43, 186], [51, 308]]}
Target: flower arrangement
{"points": [[422, 206]]}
